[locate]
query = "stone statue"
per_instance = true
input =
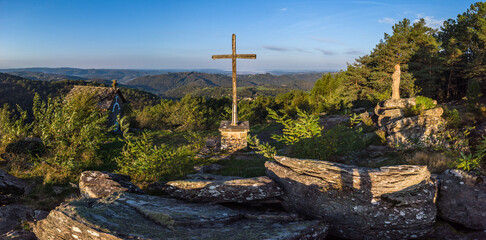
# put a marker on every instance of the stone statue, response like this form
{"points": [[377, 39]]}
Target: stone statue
{"points": [[396, 83]]}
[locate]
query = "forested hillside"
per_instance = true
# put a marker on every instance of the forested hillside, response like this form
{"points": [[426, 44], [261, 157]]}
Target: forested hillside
{"points": [[15, 90], [121, 75], [176, 85]]}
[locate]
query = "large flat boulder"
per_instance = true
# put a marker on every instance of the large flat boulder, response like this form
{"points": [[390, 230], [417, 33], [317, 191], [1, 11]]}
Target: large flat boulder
{"points": [[96, 184], [395, 202], [218, 191], [133, 216], [462, 198]]}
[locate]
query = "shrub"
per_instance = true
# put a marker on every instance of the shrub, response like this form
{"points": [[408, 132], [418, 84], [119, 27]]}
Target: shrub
{"points": [[144, 161], [305, 126], [72, 131], [13, 127], [424, 103], [452, 117], [421, 104], [263, 148]]}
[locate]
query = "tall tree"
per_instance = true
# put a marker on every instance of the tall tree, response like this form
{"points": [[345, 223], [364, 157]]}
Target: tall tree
{"points": [[464, 50], [409, 45]]}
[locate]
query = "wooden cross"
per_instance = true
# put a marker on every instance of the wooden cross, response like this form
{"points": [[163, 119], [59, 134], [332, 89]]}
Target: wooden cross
{"points": [[234, 56]]}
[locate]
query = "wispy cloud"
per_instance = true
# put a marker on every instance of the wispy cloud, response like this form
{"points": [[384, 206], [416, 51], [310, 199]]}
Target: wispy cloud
{"points": [[354, 52], [275, 48], [325, 52], [387, 20], [302, 50], [327, 40], [283, 9], [431, 21]]}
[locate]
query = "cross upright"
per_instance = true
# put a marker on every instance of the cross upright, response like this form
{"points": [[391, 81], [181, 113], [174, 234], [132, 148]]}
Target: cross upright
{"points": [[234, 56]]}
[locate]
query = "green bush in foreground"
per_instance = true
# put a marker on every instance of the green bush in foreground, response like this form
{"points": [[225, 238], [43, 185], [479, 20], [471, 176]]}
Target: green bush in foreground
{"points": [[71, 131], [143, 160]]}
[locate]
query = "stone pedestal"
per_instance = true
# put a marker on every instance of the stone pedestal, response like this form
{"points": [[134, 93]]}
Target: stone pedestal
{"points": [[233, 138]]}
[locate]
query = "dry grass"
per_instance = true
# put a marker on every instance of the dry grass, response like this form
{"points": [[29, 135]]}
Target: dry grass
{"points": [[435, 162]]}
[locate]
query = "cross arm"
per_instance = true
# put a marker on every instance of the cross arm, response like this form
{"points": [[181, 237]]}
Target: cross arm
{"points": [[244, 56]]}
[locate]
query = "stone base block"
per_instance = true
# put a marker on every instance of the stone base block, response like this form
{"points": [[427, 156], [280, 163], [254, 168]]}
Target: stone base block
{"points": [[233, 138]]}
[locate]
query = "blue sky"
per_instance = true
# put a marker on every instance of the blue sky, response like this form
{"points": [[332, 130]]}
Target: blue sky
{"points": [[285, 35]]}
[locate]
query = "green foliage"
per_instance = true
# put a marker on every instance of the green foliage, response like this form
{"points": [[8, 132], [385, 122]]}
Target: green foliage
{"points": [[305, 126], [330, 93], [472, 161], [421, 104], [256, 111], [453, 141], [344, 140], [292, 102], [145, 161], [424, 103], [190, 113], [13, 127], [354, 120], [468, 162], [72, 130], [263, 148], [452, 117]]}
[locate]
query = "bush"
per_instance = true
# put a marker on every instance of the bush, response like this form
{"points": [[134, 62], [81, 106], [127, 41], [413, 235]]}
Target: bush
{"points": [[13, 127], [142, 160], [452, 117], [422, 104], [72, 130], [305, 138]]}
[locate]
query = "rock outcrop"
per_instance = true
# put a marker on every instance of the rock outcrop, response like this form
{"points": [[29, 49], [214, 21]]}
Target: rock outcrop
{"points": [[403, 131], [10, 184], [11, 216], [96, 184], [395, 202], [225, 190], [462, 199], [133, 216]]}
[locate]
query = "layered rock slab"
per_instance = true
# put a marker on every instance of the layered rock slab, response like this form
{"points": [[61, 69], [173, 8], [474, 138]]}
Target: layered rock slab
{"points": [[462, 198], [405, 131], [96, 184], [395, 202], [224, 190], [133, 216]]}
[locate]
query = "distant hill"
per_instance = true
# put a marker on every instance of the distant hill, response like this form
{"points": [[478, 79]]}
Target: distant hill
{"points": [[176, 85], [15, 90], [45, 76], [121, 75]]}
